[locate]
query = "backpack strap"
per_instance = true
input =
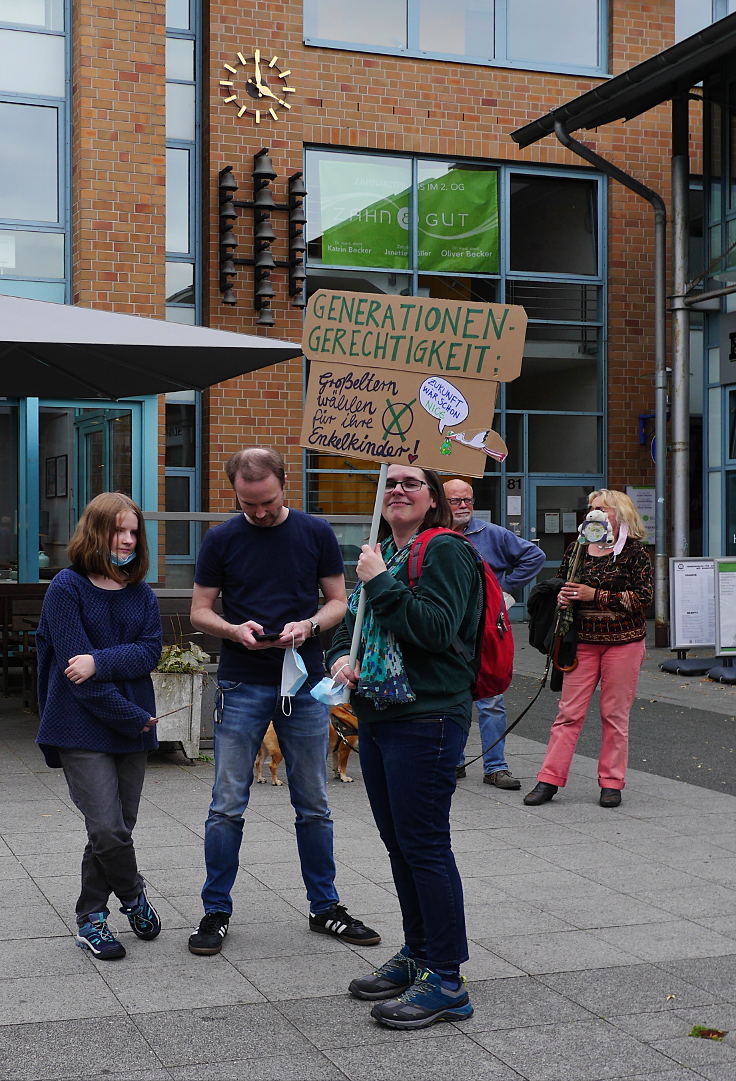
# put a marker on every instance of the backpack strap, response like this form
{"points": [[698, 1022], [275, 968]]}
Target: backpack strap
{"points": [[414, 570]]}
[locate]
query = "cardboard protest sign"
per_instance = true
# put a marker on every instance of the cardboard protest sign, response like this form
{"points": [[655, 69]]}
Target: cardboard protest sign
{"points": [[408, 379]]}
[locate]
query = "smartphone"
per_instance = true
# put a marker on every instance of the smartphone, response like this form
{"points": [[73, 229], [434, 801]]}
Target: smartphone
{"points": [[266, 637]]}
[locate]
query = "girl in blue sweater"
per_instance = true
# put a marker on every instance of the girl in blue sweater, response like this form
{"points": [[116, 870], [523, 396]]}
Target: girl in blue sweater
{"points": [[98, 641]]}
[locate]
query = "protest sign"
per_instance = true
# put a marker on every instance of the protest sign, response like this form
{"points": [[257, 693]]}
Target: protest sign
{"points": [[408, 379]]}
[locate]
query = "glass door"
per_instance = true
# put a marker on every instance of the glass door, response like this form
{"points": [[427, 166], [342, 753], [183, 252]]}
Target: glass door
{"points": [[556, 508]]}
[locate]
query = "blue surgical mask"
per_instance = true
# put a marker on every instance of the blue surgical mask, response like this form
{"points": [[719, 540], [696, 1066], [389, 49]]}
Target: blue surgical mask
{"points": [[118, 562]]}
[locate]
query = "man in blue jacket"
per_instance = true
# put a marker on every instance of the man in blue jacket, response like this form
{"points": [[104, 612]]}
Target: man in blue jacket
{"points": [[515, 562]]}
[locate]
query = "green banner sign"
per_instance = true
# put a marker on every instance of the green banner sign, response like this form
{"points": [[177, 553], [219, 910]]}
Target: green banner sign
{"points": [[365, 210]]}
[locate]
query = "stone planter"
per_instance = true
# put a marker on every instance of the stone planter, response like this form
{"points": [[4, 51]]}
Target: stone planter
{"points": [[182, 692]]}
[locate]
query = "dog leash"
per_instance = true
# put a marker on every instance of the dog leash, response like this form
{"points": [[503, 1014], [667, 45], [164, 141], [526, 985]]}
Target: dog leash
{"points": [[523, 713]]}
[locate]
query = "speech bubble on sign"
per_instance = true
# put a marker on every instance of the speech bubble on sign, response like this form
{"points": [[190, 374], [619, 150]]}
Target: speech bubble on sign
{"points": [[442, 400]]}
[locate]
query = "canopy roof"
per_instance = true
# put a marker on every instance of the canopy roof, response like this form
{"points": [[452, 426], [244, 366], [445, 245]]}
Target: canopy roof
{"points": [[64, 351], [660, 78]]}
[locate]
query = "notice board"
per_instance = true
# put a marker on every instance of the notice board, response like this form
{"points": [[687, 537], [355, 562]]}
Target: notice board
{"points": [[692, 603]]}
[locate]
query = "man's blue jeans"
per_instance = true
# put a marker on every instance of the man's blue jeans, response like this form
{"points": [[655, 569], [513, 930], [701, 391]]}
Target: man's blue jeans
{"points": [[409, 775], [242, 716], [492, 723]]}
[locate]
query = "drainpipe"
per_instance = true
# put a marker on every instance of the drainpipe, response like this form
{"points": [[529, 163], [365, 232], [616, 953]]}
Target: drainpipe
{"points": [[680, 444], [661, 575]]}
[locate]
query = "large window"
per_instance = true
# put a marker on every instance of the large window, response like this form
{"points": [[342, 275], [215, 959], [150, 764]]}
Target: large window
{"points": [[33, 165], [552, 35], [182, 162], [694, 15], [473, 231]]}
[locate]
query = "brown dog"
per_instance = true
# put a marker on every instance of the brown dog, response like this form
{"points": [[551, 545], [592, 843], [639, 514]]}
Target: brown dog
{"points": [[269, 746], [343, 739]]}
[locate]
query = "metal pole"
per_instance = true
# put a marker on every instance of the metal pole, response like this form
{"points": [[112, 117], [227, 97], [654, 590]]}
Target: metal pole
{"points": [[661, 575], [680, 449]]}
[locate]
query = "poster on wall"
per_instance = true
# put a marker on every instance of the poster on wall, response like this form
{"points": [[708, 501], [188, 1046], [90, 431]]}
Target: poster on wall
{"points": [[643, 500], [365, 212], [725, 607], [692, 603], [408, 379]]}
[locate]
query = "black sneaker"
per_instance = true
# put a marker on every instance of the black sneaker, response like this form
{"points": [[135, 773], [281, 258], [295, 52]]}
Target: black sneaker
{"points": [[337, 921], [208, 937], [388, 981]]}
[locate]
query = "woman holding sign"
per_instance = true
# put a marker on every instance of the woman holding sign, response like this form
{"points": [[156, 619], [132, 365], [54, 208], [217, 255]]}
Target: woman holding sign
{"points": [[413, 701]]}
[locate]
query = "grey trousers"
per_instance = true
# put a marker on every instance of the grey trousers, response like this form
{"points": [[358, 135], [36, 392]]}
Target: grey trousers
{"points": [[107, 790]]}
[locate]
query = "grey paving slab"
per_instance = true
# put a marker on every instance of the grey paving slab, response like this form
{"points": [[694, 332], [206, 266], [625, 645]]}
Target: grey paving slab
{"points": [[109, 1047], [432, 1059], [560, 951], [667, 939], [343, 1021], [715, 974], [263, 1066], [35, 842], [611, 992], [312, 976], [512, 918], [189, 985], [40, 957], [261, 941], [11, 868], [221, 1034], [56, 998], [520, 1002], [707, 898], [573, 1051]]}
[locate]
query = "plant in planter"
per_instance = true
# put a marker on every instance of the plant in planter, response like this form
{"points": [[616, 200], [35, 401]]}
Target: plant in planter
{"points": [[178, 681]]}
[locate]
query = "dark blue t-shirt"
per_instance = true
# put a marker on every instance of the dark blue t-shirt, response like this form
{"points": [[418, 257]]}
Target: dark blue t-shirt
{"points": [[269, 574]]}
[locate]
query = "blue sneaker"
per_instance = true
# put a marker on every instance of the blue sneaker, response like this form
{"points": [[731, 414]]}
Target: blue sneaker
{"points": [[143, 917], [425, 1002], [388, 981], [93, 934]]}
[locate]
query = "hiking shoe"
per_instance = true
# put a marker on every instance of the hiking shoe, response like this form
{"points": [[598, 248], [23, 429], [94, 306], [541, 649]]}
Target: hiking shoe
{"points": [[425, 1002], [337, 921], [143, 917], [209, 936], [393, 977], [502, 779], [93, 934]]}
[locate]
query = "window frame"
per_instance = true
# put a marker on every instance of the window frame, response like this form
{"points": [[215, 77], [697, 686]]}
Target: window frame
{"points": [[63, 134], [499, 59], [413, 272]]}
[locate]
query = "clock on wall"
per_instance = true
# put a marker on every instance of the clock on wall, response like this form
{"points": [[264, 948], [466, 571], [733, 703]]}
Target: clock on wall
{"points": [[257, 86]]}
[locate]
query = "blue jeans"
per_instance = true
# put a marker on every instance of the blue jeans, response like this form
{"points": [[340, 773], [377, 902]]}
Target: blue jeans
{"points": [[409, 775], [492, 723], [242, 715]]}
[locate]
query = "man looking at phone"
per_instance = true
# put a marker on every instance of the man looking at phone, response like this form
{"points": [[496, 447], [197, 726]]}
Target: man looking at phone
{"points": [[269, 565]]}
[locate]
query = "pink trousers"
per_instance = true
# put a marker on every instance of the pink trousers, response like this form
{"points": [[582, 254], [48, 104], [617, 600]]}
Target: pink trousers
{"points": [[617, 670]]}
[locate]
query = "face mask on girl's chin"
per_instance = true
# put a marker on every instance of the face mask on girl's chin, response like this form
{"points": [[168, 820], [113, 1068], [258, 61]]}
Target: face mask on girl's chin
{"points": [[118, 562], [293, 674]]}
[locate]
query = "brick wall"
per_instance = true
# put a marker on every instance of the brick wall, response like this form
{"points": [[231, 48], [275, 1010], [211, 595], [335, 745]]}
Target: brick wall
{"points": [[118, 155]]}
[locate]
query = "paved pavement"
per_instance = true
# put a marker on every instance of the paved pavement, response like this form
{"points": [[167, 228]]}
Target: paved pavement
{"points": [[599, 937]]}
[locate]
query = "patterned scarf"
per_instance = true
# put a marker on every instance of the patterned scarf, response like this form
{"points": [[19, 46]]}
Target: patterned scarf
{"points": [[382, 675]]}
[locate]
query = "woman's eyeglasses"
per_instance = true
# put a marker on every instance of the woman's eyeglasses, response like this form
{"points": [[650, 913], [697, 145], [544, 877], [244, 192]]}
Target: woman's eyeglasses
{"points": [[457, 502], [410, 484]]}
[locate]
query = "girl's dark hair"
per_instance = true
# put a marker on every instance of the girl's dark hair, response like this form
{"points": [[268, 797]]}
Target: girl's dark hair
{"points": [[439, 515], [89, 548]]}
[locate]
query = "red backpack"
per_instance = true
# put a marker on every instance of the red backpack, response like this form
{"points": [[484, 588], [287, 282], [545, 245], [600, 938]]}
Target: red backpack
{"points": [[494, 645]]}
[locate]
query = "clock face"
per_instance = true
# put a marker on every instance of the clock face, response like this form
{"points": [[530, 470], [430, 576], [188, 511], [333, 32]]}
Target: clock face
{"points": [[257, 85]]}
